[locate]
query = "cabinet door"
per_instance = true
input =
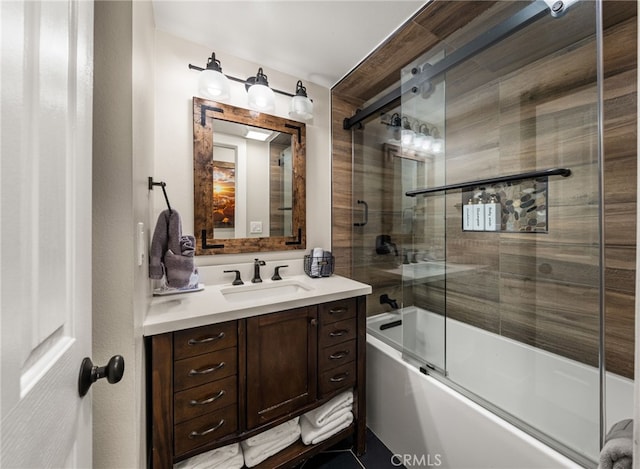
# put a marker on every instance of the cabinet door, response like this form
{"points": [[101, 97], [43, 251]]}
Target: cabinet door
{"points": [[281, 363]]}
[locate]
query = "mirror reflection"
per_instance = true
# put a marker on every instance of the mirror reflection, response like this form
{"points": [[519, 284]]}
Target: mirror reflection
{"points": [[248, 180], [245, 202]]}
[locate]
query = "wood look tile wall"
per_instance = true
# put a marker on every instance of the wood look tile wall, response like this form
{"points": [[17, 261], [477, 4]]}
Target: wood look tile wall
{"points": [[503, 117]]}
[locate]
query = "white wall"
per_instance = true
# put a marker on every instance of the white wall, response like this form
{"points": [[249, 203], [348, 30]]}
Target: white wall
{"points": [[175, 87], [123, 159], [143, 97], [115, 426]]}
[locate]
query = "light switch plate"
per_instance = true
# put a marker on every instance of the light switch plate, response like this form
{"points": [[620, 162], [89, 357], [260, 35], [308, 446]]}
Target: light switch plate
{"points": [[255, 227], [140, 246]]}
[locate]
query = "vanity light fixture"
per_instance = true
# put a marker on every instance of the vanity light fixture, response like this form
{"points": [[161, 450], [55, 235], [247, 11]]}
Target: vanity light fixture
{"points": [[407, 132], [301, 106], [213, 84], [437, 147], [260, 96], [395, 126]]}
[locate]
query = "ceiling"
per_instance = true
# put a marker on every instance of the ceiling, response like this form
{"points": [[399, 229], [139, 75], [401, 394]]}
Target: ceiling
{"points": [[315, 41]]}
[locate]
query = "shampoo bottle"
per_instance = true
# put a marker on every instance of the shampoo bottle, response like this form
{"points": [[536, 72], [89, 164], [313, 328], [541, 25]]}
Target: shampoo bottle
{"points": [[492, 214], [478, 213], [467, 215]]}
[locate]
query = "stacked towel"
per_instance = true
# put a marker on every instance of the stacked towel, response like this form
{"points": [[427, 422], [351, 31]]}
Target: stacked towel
{"points": [[226, 457], [325, 269], [264, 445], [316, 261], [617, 452], [328, 419], [171, 253]]}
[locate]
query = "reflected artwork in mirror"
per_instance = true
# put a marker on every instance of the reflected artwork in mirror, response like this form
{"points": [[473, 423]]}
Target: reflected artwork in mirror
{"points": [[249, 180]]}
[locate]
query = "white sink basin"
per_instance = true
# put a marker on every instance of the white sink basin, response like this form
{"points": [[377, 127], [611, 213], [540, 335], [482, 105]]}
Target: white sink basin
{"points": [[265, 291]]}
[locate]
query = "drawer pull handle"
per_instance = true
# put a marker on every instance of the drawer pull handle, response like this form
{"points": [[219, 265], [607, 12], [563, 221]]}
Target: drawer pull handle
{"points": [[207, 431], [193, 402], [338, 333], [339, 355], [206, 340], [338, 310], [339, 378], [206, 370]]}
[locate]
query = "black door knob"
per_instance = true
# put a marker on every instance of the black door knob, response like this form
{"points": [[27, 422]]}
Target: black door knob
{"points": [[89, 373]]}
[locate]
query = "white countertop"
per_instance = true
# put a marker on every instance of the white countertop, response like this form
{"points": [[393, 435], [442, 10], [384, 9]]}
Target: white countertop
{"points": [[210, 306]]}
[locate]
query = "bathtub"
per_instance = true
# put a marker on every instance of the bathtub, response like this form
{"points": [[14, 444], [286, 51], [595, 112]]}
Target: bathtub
{"points": [[427, 423]]}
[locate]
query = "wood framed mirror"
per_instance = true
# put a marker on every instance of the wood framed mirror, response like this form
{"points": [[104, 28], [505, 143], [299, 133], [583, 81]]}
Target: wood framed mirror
{"points": [[248, 180]]}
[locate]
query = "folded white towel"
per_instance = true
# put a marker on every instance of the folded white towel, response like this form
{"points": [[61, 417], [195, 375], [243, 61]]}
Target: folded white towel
{"points": [[318, 417], [312, 434], [316, 261], [219, 458], [276, 433], [236, 462], [254, 455]]}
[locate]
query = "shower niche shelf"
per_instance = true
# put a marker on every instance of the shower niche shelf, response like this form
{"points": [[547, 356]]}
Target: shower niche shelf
{"points": [[521, 201]]}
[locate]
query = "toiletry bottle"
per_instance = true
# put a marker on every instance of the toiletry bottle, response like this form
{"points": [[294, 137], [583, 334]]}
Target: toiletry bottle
{"points": [[467, 215], [478, 213], [492, 214]]}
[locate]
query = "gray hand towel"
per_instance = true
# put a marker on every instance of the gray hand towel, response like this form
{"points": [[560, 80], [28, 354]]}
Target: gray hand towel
{"points": [[166, 236], [179, 269], [187, 245], [617, 452]]}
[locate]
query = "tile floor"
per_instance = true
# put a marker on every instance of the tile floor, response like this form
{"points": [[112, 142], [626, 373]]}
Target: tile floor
{"points": [[378, 456]]}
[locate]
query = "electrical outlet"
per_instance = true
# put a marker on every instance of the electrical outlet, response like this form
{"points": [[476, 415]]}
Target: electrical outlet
{"points": [[255, 227]]}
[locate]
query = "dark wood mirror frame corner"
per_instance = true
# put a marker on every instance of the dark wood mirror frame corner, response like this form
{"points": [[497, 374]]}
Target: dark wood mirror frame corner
{"points": [[204, 113]]}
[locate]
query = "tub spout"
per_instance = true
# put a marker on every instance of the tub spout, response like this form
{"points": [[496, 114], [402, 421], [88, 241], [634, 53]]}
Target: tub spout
{"points": [[384, 298]]}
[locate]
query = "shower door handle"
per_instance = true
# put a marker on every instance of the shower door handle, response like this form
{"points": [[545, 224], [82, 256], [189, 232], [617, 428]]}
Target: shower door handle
{"points": [[366, 213]]}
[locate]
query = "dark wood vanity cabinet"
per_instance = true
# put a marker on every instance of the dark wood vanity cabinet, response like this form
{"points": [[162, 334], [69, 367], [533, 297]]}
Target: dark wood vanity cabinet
{"points": [[281, 364], [215, 385]]}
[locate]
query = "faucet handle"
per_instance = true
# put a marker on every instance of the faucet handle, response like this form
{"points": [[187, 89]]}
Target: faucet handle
{"points": [[276, 272], [237, 280]]}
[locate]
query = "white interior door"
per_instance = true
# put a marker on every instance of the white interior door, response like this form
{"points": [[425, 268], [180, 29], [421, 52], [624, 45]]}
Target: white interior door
{"points": [[45, 258]]}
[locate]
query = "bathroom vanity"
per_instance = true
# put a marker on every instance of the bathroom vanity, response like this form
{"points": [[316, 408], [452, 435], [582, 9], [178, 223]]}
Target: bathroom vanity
{"points": [[229, 362]]}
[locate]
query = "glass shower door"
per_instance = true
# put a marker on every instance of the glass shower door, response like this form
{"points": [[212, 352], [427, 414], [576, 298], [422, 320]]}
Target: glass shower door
{"points": [[517, 309]]}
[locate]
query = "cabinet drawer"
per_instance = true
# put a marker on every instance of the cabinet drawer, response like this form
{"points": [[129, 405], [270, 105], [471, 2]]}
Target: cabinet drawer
{"points": [[338, 378], [337, 310], [337, 332], [199, 340], [201, 430], [202, 369], [206, 398], [336, 355]]}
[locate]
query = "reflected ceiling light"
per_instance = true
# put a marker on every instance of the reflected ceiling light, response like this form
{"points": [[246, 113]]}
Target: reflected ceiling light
{"points": [[257, 134], [213, 84], [301, 106], [260, 96]]}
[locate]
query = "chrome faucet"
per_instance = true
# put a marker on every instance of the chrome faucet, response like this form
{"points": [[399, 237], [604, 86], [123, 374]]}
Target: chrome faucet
{"points": [[256, 271]]}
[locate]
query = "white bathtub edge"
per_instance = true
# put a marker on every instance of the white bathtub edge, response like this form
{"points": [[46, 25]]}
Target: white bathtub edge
{"points": [[541, 455]]}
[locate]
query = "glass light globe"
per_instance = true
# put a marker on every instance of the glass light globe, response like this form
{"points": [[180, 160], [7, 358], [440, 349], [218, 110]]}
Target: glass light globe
{"points": [[301, 108], [438, 146], [407, 136], [261, 98], [213, 85], [427, 143]]}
